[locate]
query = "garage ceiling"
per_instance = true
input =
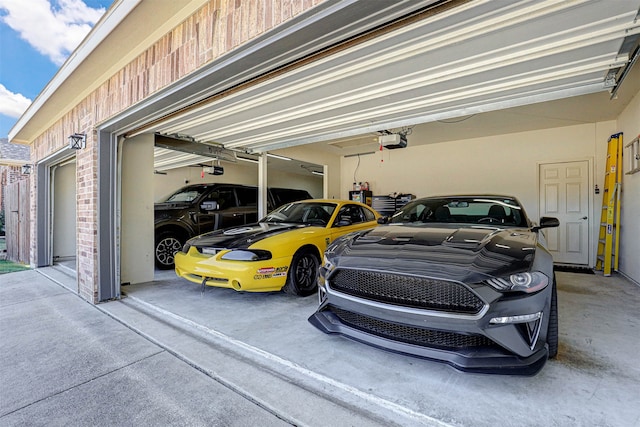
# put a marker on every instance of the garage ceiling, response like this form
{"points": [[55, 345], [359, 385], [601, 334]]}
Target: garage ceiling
{"points": [[516, 64]]}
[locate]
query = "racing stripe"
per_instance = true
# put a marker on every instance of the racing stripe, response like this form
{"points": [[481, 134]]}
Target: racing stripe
{"points": [[242, 237]]}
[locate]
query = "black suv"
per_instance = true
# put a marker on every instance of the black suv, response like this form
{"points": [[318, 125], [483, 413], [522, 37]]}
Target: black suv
{"points": [[199, 208]]}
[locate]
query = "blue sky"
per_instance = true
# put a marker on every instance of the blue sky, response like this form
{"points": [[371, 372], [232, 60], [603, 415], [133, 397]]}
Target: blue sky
{"points": [[36, 37]]}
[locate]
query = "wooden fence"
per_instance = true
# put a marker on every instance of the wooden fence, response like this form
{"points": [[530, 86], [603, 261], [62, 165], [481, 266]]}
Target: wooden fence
{"points": [[16, 212]]}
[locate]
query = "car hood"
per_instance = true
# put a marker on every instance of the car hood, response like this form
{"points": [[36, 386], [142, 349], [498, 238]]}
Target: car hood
{"points": [[438, 251], [242, 237]]}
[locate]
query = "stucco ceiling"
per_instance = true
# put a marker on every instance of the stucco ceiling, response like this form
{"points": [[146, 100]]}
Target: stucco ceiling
{"points": [[504, 66]]}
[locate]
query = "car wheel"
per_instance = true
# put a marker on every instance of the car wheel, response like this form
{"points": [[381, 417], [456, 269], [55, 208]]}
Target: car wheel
{"points": [[302, 279], [167, 244], [552, 332]]}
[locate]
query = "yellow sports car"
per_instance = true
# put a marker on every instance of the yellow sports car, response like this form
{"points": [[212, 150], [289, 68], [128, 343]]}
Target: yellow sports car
{"points": [[281, 251]]}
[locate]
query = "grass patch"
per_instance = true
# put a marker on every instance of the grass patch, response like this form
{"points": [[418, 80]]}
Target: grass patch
{"points": [[10, 267]]}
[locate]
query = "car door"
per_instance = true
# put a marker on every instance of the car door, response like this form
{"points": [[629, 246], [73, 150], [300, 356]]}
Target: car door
{"points": [[350, 218], [226, 215]]}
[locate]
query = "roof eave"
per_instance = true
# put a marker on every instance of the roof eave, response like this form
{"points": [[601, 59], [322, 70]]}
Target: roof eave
{"points": [[61, 94]]}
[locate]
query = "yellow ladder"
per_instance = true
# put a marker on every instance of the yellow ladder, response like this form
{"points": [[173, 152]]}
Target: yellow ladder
{"points": [[609, 236]]}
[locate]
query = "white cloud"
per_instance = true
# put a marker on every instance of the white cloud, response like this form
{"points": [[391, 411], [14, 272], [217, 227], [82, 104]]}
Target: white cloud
{"points": [[54, 30], [12, 104]]}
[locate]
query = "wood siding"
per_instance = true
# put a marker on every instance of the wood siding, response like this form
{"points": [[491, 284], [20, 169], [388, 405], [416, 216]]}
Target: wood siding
{"points": [[17, 221]]}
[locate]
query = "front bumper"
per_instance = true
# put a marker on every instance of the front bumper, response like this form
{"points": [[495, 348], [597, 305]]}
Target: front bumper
{"points": [[248, 276], [467, 342]]}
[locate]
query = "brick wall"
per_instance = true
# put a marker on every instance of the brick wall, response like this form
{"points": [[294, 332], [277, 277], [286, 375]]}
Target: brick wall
{"points": [[216, 29]]}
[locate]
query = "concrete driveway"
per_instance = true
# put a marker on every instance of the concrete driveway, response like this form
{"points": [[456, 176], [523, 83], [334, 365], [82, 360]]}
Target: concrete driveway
{"points": [[220, 354], [594, 381], [63, 362]]}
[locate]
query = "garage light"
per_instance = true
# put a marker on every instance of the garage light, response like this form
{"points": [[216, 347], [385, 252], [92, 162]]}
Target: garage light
{"points": [[77, 141], [246, 159], [277, 156], [360, 154]]}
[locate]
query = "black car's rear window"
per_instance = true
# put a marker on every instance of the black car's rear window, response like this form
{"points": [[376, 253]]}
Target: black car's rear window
{"points": [[186, 195], [285, 195]]}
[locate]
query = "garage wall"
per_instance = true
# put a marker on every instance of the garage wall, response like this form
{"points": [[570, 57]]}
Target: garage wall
{"points": [[331, 163], [505, 164], [629, 123], [497, 164], [137, 237], [238, 173], [311, 183]]}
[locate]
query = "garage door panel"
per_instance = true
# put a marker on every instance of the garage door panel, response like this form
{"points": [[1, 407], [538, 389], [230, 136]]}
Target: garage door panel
{"points": [[400, 89], [354, 119], [426, 70]]}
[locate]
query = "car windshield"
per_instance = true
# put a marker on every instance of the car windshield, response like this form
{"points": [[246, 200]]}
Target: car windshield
{"points": [[185, 195], [469, 210], [302, 213]]}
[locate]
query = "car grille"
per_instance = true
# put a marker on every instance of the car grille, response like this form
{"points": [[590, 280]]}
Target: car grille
{"points": [[408, 291], [411, 334]]}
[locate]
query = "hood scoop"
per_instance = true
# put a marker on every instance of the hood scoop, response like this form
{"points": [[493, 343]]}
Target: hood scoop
{"points": [[402, 239], [469, 238]]}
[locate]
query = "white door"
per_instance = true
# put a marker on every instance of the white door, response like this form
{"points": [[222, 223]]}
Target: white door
{"points": [[564, 194]]}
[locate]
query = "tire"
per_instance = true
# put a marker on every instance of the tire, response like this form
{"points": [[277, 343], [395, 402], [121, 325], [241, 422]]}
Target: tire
{"points": [[167, 244], [552, 332], [302, 279]]}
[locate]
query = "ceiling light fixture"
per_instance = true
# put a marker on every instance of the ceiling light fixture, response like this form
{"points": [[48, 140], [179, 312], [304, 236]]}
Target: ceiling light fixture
{"points": [[360, 154], [311, 170], [246, 159], [277, 156]]}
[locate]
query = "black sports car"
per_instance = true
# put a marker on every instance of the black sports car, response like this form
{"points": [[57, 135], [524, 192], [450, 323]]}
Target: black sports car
{"points": [[465, 280]]}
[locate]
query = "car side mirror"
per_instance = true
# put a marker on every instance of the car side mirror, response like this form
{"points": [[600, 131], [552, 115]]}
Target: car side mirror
{"points": [[383, 220], [209, 206], [546, 222]]}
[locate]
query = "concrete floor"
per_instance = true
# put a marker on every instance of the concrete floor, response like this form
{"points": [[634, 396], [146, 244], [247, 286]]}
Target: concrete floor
{"points": [[263, 345], [595, 381]]}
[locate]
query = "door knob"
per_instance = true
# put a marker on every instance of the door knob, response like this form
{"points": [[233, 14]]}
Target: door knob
{"points": [[584, 217]]}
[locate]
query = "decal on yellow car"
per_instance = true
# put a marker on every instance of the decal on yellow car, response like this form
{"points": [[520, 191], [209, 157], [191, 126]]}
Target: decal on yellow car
{"points": [[269, 272]]}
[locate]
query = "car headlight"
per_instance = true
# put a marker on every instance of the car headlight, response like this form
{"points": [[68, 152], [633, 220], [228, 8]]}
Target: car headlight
{"points": [[186, 247], [246, 255], [521, 282]]}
